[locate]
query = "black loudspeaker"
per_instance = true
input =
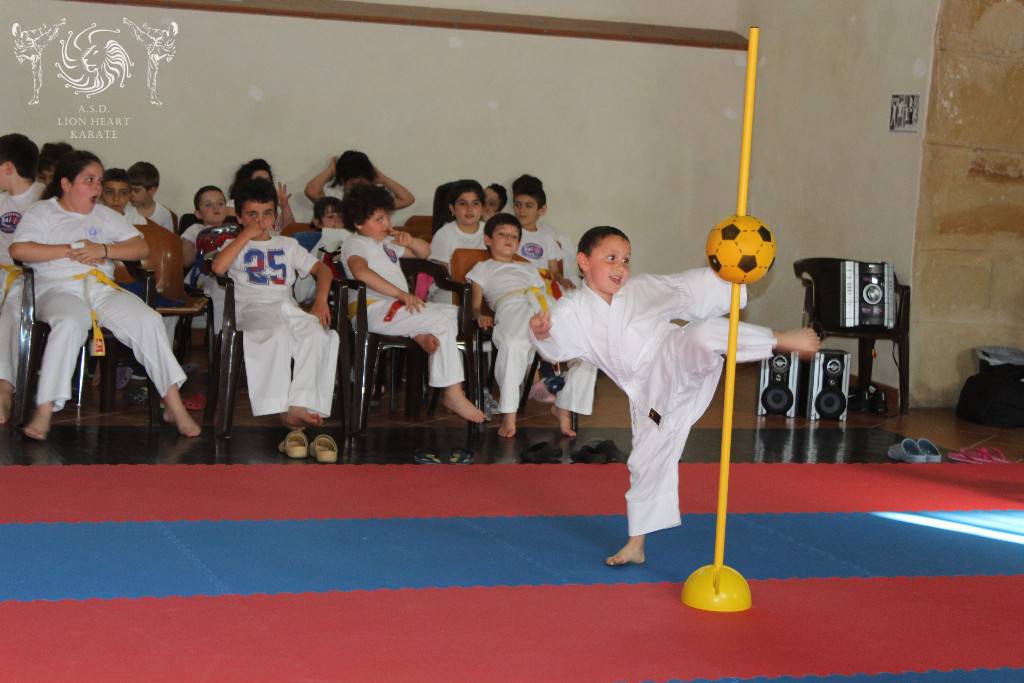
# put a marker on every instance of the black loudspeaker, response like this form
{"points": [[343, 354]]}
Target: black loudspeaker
{"points": [[828, 384], [777, 388], [852, 293]]}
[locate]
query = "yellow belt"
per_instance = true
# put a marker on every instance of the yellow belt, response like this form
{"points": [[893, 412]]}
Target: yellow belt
{"points": [[526, 291], [98, 347], [12, 274], [353, 306]]}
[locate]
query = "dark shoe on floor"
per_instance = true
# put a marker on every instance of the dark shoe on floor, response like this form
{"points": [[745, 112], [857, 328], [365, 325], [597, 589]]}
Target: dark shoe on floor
{"points": [[460, 456], [425, 456], [541, 453], [588, 454], [610, 451]]}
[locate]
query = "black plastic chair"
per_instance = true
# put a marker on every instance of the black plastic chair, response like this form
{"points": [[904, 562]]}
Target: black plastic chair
{"points": [[32, 341], [368, 348], [229, 364], [810, 271]]}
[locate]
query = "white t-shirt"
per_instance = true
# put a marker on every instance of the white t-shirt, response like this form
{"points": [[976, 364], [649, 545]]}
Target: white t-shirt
{"points": [[161, 216], [336, 191], [12, 207], [48, 223], [264, 271], [498, 278], [450, 237], [192, 232], [381, 257], [538, 247], [331, 239]]}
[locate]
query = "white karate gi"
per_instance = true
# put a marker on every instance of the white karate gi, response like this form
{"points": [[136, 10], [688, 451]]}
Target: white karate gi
{"points": [[11, 210], [64, 303], [440, 320], [512, 311], [277, 332], [669, 372]]}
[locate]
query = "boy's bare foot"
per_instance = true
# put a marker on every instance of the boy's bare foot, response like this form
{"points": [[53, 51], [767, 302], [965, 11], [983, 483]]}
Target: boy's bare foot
{"points": [[508, 425], [804, 341], [175, 411], [298, 417], [6, 398], [454, 399], [564, 421], [427, 342], [39, 426], [631, 553]]}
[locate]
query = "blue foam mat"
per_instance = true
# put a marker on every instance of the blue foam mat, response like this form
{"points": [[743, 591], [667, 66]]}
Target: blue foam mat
{"points": [[136, 559]]}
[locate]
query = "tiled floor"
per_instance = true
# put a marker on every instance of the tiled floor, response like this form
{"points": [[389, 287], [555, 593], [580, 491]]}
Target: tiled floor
{"points": [[84, 435]]}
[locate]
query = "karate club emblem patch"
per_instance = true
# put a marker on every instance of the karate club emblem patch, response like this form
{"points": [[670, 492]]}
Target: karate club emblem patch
{"points": [[9, 221], [532, 251], [391, 254]]}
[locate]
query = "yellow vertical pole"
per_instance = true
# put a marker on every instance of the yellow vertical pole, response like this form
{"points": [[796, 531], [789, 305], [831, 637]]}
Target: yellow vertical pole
{"points": [[734, 310], [717, 587]]}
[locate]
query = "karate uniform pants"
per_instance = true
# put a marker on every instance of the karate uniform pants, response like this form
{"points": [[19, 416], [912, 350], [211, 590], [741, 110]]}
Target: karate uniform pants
{"points": [[62, 305], [511, 336], [440, 320], [10, 328], [275, 334], [652, 502]]}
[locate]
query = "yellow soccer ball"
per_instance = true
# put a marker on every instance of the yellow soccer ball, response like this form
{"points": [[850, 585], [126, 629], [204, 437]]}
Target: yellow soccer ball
{"points": [[741, 249]]}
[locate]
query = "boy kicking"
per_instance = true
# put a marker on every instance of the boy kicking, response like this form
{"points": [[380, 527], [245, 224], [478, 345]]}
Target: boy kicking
{"points": [[670, 373]]}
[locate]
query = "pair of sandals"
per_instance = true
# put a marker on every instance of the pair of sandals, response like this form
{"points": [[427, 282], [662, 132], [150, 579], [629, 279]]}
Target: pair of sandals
{"points": [[457, 456], [599, 453], [296, 445], [915, 451], [980, 456]]}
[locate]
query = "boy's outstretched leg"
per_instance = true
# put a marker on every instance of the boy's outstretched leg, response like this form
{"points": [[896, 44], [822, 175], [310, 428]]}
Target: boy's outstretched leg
{"points": [[631, 553], [508, 425], [454, 399]]}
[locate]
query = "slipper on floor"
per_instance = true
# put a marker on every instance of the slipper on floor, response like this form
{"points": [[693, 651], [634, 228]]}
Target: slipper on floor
{"points": [[295, 445], [196, 401], [588, 455], [907, 450], [460, 456], [541, 453], [930, 450], [425, 456], [324, 448], [986, 456]]}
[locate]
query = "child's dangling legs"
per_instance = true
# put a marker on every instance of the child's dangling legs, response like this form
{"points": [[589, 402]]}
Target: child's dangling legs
{"points": [[511, 337], [445, 364]]}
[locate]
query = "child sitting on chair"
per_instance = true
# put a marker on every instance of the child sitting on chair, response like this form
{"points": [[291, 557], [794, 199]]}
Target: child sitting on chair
{"points": [[278, 333], [624, 326], [515, 291], [372, 256]]}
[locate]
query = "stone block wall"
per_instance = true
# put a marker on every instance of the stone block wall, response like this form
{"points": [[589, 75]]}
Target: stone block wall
{"points": [[968, 283]]}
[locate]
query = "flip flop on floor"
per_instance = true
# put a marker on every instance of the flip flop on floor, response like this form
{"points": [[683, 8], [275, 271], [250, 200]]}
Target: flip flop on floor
{"points": [[295, 445], [960, 456], [324, 449], [987, 456]]}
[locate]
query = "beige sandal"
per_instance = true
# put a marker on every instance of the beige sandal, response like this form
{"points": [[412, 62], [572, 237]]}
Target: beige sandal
{"points": [[324, 449], [294, 445]]}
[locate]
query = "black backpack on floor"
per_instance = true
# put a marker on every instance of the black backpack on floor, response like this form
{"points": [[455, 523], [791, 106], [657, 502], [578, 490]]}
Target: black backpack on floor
{"points": [[995, 396]]}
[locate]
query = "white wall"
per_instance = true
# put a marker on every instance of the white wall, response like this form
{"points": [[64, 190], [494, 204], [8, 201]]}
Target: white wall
{"points": [[645, 137], [826, 173]]}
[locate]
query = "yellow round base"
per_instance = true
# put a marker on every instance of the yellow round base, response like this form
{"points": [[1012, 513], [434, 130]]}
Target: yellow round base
{"points": [[733, 594]]}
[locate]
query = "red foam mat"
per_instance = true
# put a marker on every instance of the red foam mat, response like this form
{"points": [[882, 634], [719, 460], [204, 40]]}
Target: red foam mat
{"points": [[177, 492], [544, 633]]}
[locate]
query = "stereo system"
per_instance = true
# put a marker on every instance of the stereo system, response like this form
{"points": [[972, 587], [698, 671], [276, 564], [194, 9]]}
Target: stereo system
{"points": [[817, 389], [852, 293]]}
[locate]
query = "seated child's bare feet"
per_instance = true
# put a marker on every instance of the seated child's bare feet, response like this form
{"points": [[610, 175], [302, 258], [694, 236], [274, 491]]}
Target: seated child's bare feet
{"points": [[6, 398], [427, 342], [508, 425], [298, 417], [454, 399], [184, 422], [804, 341], [631, 553], [39, 426], [564, 421]]}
